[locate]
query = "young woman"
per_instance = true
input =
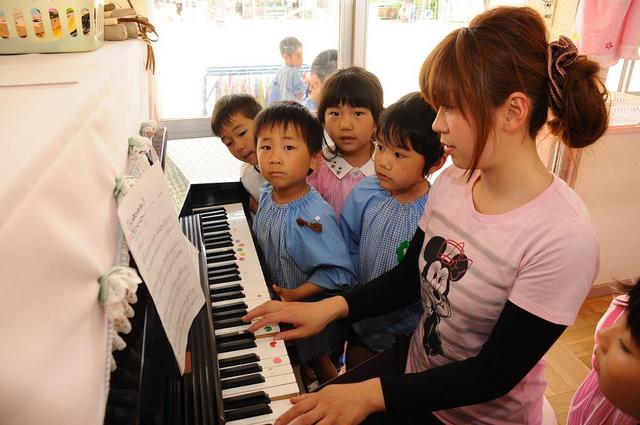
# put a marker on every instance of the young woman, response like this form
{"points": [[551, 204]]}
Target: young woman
{"points": [[505, 252]]}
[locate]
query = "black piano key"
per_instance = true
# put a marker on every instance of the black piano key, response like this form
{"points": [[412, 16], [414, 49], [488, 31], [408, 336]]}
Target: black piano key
{"points": [[244, 369], [227, 296], [236, 360], [204, 216], [226, 278], [225, 347], [235, 336], [219, 289], [228, 323], [216, 238], [241, 381], [232, 306], [247, 412], [212, 260], [213, 270], [215, 224], [229, 313], [248, 399]]}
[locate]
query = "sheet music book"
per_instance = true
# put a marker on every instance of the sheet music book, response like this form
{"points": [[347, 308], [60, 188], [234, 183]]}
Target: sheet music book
{"points": [[165, 259]]}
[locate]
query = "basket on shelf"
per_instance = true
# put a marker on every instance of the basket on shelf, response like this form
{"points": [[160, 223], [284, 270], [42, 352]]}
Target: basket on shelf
{"points": [[50, 26]]}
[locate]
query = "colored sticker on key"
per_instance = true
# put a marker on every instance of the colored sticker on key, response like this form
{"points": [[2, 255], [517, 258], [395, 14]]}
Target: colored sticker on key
{"points": [[268, 328], [277, 360], [273, 343]]}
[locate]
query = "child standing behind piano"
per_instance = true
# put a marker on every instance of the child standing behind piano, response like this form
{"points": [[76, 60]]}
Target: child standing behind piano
{"points": [[381, 214], [296, 229], [232, 122], [349, 108]]}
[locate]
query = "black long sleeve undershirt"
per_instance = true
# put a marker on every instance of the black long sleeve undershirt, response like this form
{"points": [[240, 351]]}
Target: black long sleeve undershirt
{"points": [[397, 288], [517, 342]]}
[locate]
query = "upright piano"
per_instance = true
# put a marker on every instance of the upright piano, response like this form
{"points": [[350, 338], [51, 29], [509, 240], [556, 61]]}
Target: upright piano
{"points": [[232, 377]]}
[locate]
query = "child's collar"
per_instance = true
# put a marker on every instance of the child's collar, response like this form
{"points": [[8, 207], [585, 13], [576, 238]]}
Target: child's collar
{"points": [[340, 167]]}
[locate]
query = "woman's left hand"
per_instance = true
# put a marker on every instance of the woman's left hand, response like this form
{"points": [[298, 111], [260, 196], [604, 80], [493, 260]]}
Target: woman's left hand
{"points": [[341, 404]]}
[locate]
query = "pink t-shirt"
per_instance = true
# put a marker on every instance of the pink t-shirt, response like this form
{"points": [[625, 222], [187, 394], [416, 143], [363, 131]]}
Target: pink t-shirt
{"points": [[542, 256], [589, 406], [335, 178]]}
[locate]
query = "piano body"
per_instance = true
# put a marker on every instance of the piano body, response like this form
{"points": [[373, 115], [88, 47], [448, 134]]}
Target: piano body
{"points": [[233, 377]]}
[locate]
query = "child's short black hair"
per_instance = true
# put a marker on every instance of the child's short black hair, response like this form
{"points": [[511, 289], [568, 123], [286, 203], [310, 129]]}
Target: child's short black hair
{"points": [[407, 125], [289, 113], [230, 104], [325, 63], [289, 45], [353, 86]]}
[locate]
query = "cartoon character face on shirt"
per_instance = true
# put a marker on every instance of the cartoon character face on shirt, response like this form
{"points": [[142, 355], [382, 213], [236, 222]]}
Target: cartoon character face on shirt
{"points": [[445, 263]]}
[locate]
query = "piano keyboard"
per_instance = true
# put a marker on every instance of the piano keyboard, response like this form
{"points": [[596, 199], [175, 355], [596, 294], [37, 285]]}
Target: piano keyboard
{"points": [[256, 377]]}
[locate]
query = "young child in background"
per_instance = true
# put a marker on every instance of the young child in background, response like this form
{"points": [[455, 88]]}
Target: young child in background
{"points": [[324, 64], [610, 394], [296, 229], [381, 214], [349, 108], [232, 122], [288, 84]]}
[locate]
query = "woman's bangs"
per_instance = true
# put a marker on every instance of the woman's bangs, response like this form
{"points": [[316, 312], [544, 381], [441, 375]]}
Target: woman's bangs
{"points": [[439, 77]]}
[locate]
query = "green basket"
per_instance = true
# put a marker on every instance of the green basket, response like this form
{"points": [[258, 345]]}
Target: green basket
{"points": [[50, 26]]}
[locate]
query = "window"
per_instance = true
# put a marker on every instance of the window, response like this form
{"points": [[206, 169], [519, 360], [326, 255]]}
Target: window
{"points": [[211, 47], [401, 34]]}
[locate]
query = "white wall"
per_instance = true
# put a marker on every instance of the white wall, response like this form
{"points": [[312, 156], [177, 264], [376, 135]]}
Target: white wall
{"points": [[609, 184]]}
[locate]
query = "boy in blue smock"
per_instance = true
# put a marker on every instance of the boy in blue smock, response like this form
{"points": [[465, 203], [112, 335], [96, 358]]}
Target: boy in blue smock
{"points": [[288, 84], [297, 230]]}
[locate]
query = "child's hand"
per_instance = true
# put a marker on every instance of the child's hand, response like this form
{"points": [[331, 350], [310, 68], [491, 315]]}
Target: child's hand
{"points": [[344, 404], [285, 294]]}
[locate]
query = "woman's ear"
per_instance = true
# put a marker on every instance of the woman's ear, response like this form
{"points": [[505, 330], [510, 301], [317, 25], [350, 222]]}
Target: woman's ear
{"points": [[515, 111]]}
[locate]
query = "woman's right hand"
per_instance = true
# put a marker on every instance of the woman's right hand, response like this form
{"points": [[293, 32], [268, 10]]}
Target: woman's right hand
{"points": [[307, 318]]}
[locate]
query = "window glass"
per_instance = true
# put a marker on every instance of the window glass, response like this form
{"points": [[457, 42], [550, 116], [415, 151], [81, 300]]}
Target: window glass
{"points": [[401, 34], [208, 48]]}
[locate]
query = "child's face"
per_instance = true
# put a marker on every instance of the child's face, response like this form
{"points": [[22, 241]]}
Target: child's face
{"points": [[237, 136], [350, 128], [400, 171], [618, 366], [293, 59], [285, 160], [315, 88]]}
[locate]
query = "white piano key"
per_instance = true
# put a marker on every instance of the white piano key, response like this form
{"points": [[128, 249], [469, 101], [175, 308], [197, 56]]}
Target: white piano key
{"points": [[263, 332], [251, 303], [266, 348]]}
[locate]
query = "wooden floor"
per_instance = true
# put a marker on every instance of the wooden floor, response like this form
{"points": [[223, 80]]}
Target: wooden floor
{"points": [[569, 360]]}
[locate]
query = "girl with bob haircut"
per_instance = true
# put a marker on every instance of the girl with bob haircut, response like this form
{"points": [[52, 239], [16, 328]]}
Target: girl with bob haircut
{"points": [[505, 252]]}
